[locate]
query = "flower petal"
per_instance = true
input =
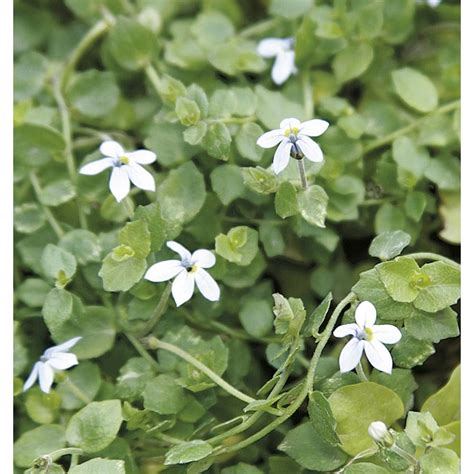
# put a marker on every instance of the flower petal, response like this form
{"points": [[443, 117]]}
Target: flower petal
{"points": [[207, 285], [112, 149], [314, 128], [63, 347], [270, 139], [140, 177], [62, 361], [282, 156], [203, 258], [378, 355], [350, 355], [387, 333], [32, 377], [346, 330], [46, 377], [119, 183], [365, 314], [96, 167], [183, 252], [164, 271], [183, 287], [283, 67], [310, 149], [289, 123], [142, 157], [270, 47]]}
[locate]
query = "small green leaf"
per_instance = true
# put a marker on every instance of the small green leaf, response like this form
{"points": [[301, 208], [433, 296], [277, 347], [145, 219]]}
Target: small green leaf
{"points": [[83, 244], [433, 327], [217, 141], [352, 61], [246, 141], [99, 466], [410, 352], [256, 317], [297, 8], [121, 274], [227, 183], [42, 407], [322, 419], [440, 460], [402, 278], [136, 236], [163, 395], [239, 246], [313, 203], [188, 452], [28, 218], [388, 245], [187, 111], [286, 200], [260, 180], [55, 260]]}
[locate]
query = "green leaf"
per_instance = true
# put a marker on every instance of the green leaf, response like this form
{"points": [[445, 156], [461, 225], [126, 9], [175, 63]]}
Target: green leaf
{"points": [[444, 171], [188, 452], [415, 89], [157, 226], [440, 461], [131, 44], [56, 260], [211, 28], [322, 419], [260, 180], [402, 278], [356, 406], [401, 381], [388, 245], [83, 244], [93, 93], [39, 441], [410, 352], [227, 183], [389, 218], [317, 317], [241, 468], [194, 135], [119, 272], [445, 404], [133, 378], [42, 408], [187, 111], [286, 200], [28, 218], [272, 239], [313, 203], [296, 9], [410, 159], [289, 315], [57, 193], [30, 72], [443, 289], [423, 430], [240, 245], [182, 194], [32, 292], [164, 396], [217, 141], [99, 466], [433, 327], [246, 141], [95, 426], [256, 317], [136, 236], [415, 204], [352, 61], [365, 468], [310, 450]]}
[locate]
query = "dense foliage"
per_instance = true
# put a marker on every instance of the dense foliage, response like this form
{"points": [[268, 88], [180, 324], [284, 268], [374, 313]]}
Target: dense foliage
{"points": [[250, 383]]}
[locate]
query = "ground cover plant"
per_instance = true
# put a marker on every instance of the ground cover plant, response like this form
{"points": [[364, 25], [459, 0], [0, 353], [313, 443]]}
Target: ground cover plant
{"points": [[236, 236]]}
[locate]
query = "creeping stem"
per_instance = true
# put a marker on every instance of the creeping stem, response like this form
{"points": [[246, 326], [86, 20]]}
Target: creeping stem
{"points": [[433, 256], [159, 310]]}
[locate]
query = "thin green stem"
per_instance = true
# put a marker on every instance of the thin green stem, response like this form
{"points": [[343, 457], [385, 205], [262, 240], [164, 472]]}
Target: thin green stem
{"points": [[361, 373], [449, 107], [76, 391], [142, 351], [307, 96], [158, 312], [74, 460], [86, 42], [58, 230], [64, 452], [404, 454], [302, 171], [433, 256], [362, 454], [153, 77]]}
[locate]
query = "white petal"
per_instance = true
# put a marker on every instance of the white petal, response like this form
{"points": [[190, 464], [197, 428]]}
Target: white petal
{"points": [[142, 157], [310, 149], [183, 252], [378, 355], [270, 47], [270, 139], [283, 67], [164, 271], [365, 314], [203, 258], [290, 123], [314, 128], [112, 149], [183, 287], [32, 377], [62, 361], [350, 355], [119, 183], [282, 156], [346, 330], [46, 377], [65, 346], [207, 285], [96, 167], [387, 333], [140, 177]]}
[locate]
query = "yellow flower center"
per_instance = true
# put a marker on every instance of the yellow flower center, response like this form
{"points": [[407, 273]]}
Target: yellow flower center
{"points": [[369, 334], [193, 269], [291, 131], [124, 160]]}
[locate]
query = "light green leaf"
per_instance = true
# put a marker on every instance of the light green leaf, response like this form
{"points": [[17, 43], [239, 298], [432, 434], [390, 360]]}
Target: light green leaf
{"points": [[260, 180], [256, 317], [227, 183], [188, 452], [388, 245], [352, 61], [296, 9], [246, 141], [99, 466], [187, 111], [322, 419], [28, 218], [164, 396], [313, 203], [433, 327], [217, 141], [410, 352], [440, 461], [42, 408], [83, 244], [240, 245], [57, 261], [286, 200], [402, 278], [32, 292]]}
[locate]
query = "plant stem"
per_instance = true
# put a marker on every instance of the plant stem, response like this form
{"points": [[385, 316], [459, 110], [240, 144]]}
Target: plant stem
{"points": [[142, 351], [58, 230], [415, 124], [64, 452], [153, 77], [361, 373], [302, 171], [433, 256], [77, 391], [306, 387], [307, 96], [158, 312], [407, 456], [66, 129]]}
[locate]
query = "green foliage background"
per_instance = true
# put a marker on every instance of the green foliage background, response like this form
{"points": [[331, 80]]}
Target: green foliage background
{"points": [[183, 79]]}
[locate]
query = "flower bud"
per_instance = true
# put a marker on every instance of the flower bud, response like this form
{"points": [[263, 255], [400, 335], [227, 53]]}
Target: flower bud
{"points": [[378, 431]]}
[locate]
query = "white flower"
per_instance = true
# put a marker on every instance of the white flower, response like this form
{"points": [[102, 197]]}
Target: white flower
{"points": [[188, 270], [125, 168], [293, 138], [369, 338], [282, 49], [53, 359], [378, 431]]}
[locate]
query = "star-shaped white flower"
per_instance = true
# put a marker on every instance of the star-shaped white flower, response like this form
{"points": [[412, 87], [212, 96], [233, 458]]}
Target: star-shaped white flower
{"points": [[188, 270], [282, 49], [125, 168], [368, 337], [293, 139], [53, 359]]}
